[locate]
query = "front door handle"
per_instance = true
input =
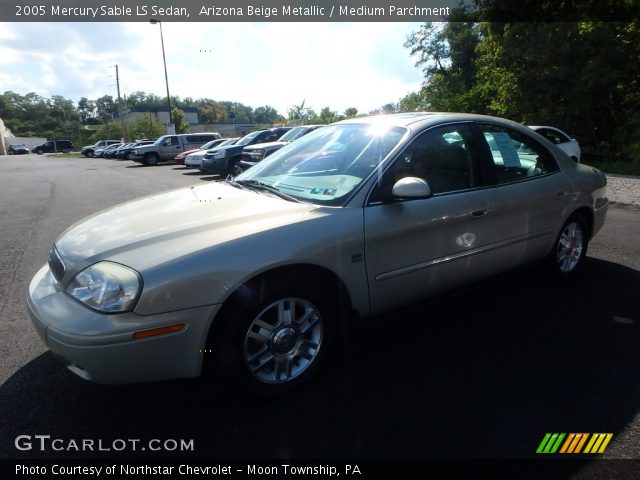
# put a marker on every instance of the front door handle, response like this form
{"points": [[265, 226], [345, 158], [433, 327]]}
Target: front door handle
{"points": [[480, 213]]}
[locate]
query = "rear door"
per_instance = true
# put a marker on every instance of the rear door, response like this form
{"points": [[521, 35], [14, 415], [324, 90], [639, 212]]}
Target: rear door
{"points": [[531, 195]]}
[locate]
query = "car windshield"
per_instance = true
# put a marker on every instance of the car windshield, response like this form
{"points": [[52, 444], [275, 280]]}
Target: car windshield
{"points": [[230, 141], [294, 133], [208, 144], [327, 164], [247, 138]]}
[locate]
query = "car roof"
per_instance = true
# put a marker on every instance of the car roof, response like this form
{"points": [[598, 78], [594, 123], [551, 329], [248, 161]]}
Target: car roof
{"points": [[417, 120]]}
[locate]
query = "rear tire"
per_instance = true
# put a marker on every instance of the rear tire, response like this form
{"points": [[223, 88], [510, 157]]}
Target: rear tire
{"points": [[570, 248], [273, 338]]}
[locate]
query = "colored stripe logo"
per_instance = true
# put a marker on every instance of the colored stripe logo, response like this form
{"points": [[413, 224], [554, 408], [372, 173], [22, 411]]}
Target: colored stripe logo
{"points": [[574, 443]]}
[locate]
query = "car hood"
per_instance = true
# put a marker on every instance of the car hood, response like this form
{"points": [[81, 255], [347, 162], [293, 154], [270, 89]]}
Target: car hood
{"points": [[266, 145], [226, 147], [145, 231]]}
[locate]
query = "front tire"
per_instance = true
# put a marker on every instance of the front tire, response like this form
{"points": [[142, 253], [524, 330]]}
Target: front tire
{"points": [[151, 159], [232, 165], [570, 247], [273, 339], [39, 151]]}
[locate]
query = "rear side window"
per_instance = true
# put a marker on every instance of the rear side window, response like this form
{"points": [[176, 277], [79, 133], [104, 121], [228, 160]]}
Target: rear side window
{"points": [[515, 155], [198, 138]]}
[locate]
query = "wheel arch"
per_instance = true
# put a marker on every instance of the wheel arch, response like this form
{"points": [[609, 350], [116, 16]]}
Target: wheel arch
{"points": [[322, 276], [587, 213]]}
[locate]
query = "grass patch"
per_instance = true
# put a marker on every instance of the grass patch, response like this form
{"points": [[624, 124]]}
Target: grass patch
{"points": [[617, 167]]}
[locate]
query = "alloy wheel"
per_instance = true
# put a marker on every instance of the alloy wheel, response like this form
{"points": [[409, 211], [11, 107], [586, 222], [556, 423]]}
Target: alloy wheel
{"points": [[283, 340]]}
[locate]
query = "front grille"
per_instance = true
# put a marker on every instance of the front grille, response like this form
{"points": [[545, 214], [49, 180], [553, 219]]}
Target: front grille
{"points": [[56, 265]]}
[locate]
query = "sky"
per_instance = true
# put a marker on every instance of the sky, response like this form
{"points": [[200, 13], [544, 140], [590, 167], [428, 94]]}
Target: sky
{"points": [[339, 65]]}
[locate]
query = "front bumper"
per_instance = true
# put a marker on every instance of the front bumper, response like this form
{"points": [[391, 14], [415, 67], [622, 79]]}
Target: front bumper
{"points": [[194, 162], [247, 164], [100, 347], [215, 165]]}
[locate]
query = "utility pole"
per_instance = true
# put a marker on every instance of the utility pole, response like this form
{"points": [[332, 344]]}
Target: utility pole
{"points": [[118, 82], [119, 105], [154, 21]]}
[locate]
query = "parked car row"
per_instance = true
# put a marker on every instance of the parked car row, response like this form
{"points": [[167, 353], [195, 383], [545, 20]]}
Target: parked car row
{"points": [[125, 151], [195, 157], [210, 153]]}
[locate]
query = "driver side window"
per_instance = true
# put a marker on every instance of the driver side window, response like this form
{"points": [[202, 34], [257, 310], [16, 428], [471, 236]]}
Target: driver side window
{"points": [[170, 141], [444, 157]]}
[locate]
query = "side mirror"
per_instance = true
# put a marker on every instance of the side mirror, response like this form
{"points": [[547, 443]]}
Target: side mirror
{"points": [[411, 187]]}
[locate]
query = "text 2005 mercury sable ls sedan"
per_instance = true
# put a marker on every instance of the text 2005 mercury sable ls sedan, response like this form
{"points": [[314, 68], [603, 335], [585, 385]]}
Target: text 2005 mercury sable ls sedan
{"points": [[364, 215]]}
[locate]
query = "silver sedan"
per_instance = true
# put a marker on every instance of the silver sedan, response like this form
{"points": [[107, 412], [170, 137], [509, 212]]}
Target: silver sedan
{"points": [[251, 277]]}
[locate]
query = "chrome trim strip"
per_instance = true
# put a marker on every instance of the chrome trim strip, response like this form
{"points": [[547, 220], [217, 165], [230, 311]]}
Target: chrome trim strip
{"points": [[437, 261]]}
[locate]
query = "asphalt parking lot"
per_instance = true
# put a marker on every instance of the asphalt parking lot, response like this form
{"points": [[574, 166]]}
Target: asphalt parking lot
{"points": [[482, 373]]}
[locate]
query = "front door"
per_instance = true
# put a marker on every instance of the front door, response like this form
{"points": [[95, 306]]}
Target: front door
{"points": [[169, 148], [417, 247]]}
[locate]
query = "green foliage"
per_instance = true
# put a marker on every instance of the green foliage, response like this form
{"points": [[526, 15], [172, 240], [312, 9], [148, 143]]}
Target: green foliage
{"points": [[147, 126], [179, 120], [351, 112], [301, 114], [34, 116], [618, 167], [267, 114], [326, 116], [580, 76]]}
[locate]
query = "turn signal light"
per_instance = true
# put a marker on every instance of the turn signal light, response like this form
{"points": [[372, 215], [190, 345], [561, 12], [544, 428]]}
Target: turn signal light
{"points": [[159, 331]]}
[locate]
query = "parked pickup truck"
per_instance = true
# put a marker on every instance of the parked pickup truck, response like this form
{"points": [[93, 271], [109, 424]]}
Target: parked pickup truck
{"points": [[168, 146]]}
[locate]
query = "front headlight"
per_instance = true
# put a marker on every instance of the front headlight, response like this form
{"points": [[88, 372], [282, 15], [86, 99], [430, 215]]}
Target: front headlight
{"points": [[220, 154], [106, 286], [258, 153]]}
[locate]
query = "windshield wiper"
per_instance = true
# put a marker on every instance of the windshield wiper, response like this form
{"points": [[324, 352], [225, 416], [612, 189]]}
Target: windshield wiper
{"points": [[258, 185]]}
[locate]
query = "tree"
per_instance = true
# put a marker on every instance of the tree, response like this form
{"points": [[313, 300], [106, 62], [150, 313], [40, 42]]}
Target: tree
{"points": [[212, 112], [179, 120], [389, 108], [447, 57], [86, 109], [146, 126], [301, 114], [266, 114], [351, 112], [105, 108], [579, 76], [327, 116]]}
